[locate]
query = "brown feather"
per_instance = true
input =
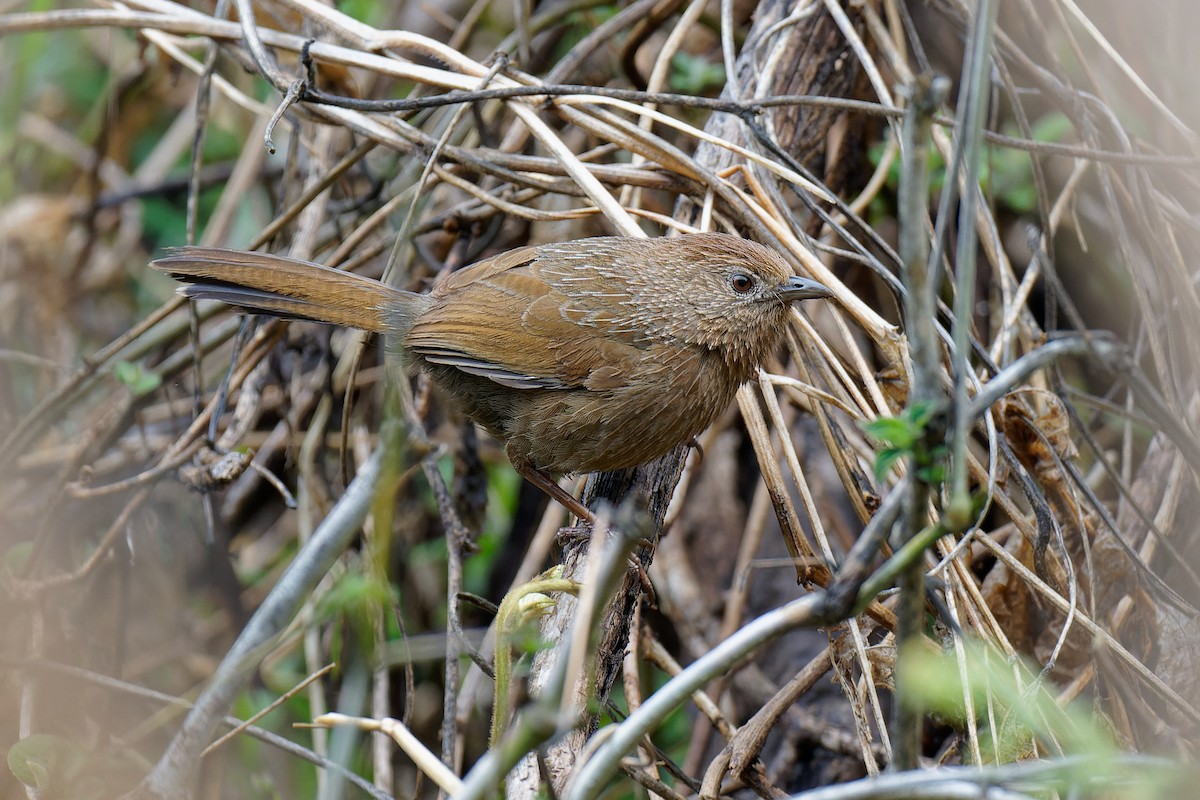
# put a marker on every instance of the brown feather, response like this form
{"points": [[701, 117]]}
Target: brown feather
{"points": [[289, 287], [510, 319], [583, 356]]}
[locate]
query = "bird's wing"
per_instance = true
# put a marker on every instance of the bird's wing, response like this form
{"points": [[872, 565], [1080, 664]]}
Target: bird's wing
{"points": [[505, 320]]}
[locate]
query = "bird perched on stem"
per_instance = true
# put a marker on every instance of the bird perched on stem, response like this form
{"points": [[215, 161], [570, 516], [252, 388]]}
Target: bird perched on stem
{"points": [[584, 356]]}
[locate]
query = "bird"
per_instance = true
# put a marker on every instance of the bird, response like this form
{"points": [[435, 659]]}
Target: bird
{"points": [[581, 356]]}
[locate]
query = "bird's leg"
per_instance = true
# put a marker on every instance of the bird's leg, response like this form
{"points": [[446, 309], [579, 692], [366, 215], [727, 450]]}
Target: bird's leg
{"points": [[550, 486], [573, 504]]}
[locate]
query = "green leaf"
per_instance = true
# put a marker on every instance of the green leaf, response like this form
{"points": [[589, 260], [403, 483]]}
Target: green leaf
{"points": [[693, 75], [136, 379], [42, 758], [885, 459], [895, 431], [355, 594], [1008, 692], [906, 435], [933, 474]]}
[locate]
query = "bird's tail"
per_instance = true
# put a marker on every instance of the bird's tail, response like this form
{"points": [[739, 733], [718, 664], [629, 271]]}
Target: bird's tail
{"points": [[285, 287]]}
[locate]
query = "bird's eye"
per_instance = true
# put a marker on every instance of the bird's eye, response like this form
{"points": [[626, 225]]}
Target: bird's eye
{"points": [[741, 282]]}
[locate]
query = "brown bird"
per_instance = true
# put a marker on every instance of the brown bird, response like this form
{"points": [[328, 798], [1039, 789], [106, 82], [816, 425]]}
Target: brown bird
{"points": [[585, 356]]}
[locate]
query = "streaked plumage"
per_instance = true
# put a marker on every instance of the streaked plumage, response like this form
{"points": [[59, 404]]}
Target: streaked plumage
{"points": [[582, 356]]}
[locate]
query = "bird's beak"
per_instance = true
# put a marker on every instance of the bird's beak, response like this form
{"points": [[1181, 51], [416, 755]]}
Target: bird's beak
{"points": [[797, 288]]}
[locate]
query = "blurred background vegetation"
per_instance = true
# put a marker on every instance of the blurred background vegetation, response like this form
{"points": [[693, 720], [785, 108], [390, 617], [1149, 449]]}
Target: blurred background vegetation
{"points": [[126, 556]]}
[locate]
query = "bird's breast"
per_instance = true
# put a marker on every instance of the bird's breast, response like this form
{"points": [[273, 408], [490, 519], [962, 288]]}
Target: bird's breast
{"points": [[665, 399]]}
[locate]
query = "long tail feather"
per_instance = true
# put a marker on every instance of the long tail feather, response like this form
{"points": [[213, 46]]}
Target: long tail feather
{"points": [[285, 287]]}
